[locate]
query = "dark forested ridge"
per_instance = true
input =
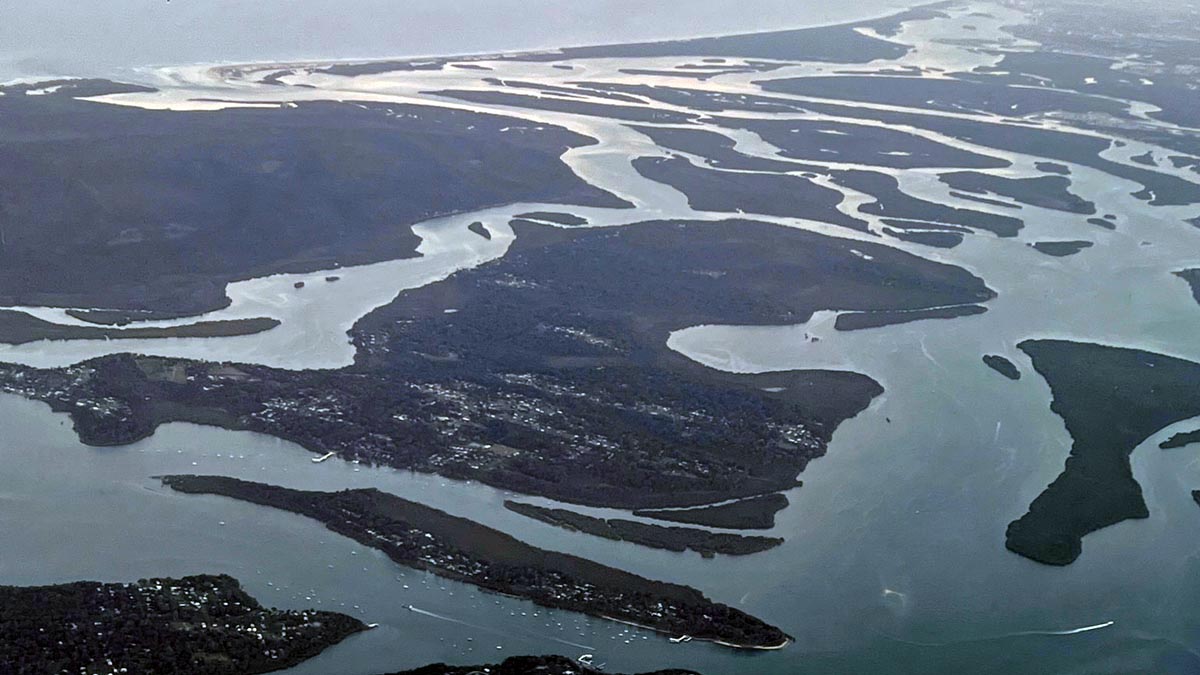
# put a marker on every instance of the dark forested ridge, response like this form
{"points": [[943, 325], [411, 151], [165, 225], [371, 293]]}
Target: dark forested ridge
{"points": [[201, 625]]}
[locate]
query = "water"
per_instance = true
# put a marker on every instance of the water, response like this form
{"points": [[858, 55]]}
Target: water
{"points": [[48, 38], [894, 558]]}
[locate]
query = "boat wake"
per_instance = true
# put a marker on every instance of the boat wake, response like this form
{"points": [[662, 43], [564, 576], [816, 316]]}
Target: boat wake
{"points": [[1073, 631], [1026, 633]]}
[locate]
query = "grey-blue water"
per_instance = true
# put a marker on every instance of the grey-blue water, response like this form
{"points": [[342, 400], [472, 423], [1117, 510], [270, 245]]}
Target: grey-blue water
{"points": [[894, 559], [42, 38]]}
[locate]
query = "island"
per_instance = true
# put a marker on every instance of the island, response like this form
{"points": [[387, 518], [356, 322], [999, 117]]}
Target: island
{"points": [[1047, 192], [19, 328], [1192, 277], [1111, 399], [583, 401], [1003, 366], [205, 625], [755, 513], [480, 229], [233, 194], [525, 665], [1182, 439], [555, 217], [677, 539], [864, 320], [1061, 249], [770, 194], [425, 538]]}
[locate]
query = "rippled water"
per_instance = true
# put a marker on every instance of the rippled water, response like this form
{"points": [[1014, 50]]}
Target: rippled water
{"points": [[894, 558]]}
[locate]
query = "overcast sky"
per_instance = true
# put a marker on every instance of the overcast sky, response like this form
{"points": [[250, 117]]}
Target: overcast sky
{"points": [[98, 37]]}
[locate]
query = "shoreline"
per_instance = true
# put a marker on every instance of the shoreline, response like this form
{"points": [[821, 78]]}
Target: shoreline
{"points": [[156, 70], [762, 648]]}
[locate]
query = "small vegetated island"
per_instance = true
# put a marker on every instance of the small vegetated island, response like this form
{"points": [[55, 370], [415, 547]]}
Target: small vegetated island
{"points": [[1111, 399], [755, 513], [206, 625], [523, 665], [582, 400], [424, 538], [677, 539], [1003, 366], [1180, 440], [1060, 249], [19, 328]]}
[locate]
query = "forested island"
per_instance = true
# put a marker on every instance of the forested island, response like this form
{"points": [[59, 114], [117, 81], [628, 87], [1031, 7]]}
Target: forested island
{"points": [[523, 665], [18, 328], [582, 401], [677, 539], [1111, 399], [424, 538], [1181, 440], [241, 193], [201, 625], [755, 513], [1003, 366]]}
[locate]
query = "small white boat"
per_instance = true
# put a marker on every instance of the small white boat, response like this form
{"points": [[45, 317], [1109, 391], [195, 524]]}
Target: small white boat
{"points": [[681, 638], [322, 458]]}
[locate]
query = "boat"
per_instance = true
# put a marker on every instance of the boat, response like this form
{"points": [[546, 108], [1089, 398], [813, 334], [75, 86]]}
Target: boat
{"points": [[680, 639], [322, 458], [372, 625]]}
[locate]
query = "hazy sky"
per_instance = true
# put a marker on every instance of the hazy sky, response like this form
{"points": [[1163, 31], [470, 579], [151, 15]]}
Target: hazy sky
{"points": [[98, 37]]}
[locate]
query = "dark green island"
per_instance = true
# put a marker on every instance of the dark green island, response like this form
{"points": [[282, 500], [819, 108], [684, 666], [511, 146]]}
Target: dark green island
{"points": [[1180, 440], [1192, 276], [863, 320], [1060, 249], [755, 513], [1111, 399], [424, 538], [582, 400], [1003, 366], [523, 665], [19, 328], [677, 539], [201, 625]]}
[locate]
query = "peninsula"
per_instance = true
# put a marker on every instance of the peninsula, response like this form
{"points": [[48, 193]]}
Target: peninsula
{"points": [[205, 625]]}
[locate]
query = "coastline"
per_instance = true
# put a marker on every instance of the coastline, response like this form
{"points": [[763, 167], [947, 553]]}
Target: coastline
{"points": [[764, 648], [469, 56]]}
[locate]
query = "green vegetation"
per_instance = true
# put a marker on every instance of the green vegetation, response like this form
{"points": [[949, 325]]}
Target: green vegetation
{"points": [[755, 513], [424, 538], [1112, 400], [522, 665], [1003, 366], [677, 539], [18, 328], [201, 625]]}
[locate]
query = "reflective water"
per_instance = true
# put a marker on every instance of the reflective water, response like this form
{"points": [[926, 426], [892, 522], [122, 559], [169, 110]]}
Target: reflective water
{"points": [[894, 558]]}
